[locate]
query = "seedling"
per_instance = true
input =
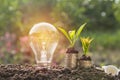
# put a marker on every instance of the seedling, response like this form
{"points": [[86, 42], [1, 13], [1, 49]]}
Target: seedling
{"points": [[85, 60], [71, 53], [73, 35], [85, 44]]}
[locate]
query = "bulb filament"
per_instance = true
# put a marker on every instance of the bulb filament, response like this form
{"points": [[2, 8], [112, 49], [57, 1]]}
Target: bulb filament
{"points": [[44, 54]]}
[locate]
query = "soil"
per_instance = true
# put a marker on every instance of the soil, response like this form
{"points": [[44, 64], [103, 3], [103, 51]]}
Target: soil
{"points": [[29, 72], [71, 50], [84, 57]]}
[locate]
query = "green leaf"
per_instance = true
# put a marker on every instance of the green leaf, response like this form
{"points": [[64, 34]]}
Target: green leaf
{"points": [[65, 33], [80, 30], [72, 34], [85, 44]]}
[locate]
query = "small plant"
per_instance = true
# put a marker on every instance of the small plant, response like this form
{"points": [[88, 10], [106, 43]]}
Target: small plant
{"points": [[85, 60], [72, 54], [73, 35], [85, 44]]}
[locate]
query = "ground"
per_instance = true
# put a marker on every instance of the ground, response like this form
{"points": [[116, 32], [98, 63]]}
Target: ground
{"points": [[29, 72]]}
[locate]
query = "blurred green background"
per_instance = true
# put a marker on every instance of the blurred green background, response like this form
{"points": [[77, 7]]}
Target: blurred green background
{"points": [[102, 18]]}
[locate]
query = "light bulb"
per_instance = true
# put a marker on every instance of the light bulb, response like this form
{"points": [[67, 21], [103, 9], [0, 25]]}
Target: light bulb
{"points": [[110, 69], [43, 41]]}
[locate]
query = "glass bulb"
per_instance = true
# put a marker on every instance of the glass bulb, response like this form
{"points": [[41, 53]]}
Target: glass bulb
{"points": [[43, 41]]}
